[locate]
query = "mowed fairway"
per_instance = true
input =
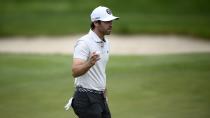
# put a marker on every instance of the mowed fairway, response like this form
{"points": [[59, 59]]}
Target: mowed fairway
{"points": [[161, 86]]}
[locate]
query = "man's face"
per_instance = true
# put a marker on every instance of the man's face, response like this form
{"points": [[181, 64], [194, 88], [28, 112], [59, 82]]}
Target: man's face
{"points": [[105, 27]]}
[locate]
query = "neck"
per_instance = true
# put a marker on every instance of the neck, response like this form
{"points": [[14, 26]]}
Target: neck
{"points": [[99, 34]]}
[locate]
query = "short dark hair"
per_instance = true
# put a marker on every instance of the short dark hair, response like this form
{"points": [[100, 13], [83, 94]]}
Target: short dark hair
{"points": [[92, 24]]}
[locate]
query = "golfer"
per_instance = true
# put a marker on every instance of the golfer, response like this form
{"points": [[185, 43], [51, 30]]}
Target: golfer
{"points": [[91, 54]]}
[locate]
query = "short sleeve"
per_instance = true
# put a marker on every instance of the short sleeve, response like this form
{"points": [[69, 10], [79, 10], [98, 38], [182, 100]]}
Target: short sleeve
{"points": [[81, 50]]}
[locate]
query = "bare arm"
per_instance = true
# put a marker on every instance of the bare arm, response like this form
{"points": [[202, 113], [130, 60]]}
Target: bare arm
{"points": [[80, 67]]}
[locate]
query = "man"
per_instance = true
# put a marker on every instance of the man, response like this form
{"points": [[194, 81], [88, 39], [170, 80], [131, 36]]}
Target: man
{"points": [[91, 54]]}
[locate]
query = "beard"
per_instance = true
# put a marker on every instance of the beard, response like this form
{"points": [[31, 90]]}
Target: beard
{"points": [[108, 31], [105, 31]]}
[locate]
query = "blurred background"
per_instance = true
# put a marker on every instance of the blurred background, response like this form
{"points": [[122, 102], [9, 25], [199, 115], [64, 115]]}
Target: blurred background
{"points": [[64, 17], [168, 85]]}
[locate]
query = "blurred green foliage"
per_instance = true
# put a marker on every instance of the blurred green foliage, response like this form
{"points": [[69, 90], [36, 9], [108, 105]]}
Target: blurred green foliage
{"points": [[64, 17]]}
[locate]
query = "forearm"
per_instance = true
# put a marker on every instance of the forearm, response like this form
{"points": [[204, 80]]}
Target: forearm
{"points": [[105, 92], [106, 95], [78, 70], [80, 67]]}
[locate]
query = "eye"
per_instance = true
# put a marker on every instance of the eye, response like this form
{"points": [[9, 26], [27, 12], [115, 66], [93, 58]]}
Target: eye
{"points": [[108, 22]]}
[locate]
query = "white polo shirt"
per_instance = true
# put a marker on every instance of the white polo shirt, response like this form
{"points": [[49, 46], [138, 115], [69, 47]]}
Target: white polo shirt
{"points": [[95, 77]]}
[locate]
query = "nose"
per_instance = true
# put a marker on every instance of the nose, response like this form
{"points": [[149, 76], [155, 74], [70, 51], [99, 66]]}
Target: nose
{"points": [[110, 23]]}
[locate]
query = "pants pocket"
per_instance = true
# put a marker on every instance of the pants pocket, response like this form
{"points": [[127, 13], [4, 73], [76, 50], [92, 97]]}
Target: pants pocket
{"points": [[80, 102]]}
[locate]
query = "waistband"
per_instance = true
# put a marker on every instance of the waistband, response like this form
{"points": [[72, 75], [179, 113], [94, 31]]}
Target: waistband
{"points": [[81, 89]]}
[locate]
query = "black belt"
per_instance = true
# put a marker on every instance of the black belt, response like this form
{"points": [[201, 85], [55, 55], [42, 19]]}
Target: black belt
{"points": [[81, 89]]}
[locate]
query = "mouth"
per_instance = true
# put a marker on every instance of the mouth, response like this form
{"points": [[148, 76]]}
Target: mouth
{"points": [[110, 28]]}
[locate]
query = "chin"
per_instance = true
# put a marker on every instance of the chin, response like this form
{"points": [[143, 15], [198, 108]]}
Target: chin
{"points": [[108, 32]]}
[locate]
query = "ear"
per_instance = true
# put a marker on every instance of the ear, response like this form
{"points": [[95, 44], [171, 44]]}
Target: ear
{"points": [[96, 23]]}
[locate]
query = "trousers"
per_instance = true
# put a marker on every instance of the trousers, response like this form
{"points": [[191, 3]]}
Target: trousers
{"points": [[90, 105]]}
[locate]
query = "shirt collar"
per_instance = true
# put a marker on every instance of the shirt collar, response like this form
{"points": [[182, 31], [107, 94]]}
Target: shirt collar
{"points": [[95, 37]]}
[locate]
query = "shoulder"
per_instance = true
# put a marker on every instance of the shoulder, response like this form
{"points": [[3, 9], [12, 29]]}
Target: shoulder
{"points": [[84, 38], [83, 41]]}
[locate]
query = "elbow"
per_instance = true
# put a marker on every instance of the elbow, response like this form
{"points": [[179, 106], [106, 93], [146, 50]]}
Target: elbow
{"points": [[74, 73]]}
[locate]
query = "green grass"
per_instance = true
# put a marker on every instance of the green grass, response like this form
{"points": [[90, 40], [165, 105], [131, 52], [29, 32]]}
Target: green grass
{"points": [[161, 86], [64, 17]]}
